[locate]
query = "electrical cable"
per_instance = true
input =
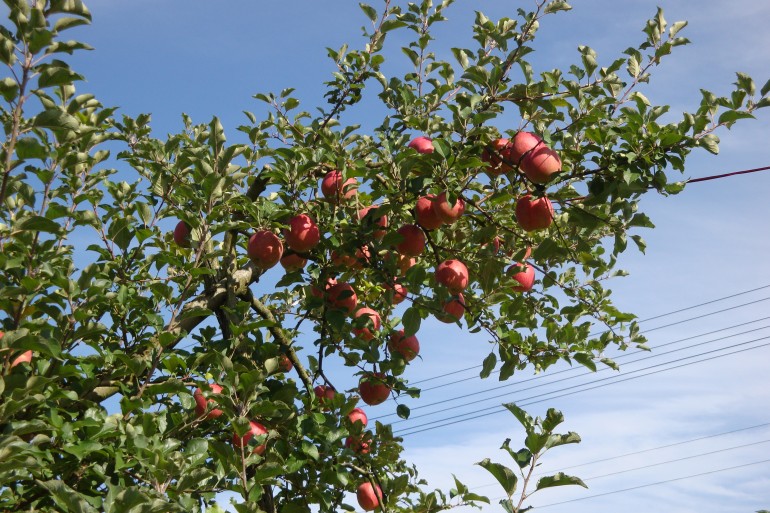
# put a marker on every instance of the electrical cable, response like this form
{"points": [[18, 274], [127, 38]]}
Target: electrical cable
{"points": [[659, 316], [574, 369], [616, 379], [636, 453], [650, 484]]}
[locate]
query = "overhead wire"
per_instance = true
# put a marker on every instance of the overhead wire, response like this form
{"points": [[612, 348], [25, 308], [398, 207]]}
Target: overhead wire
{"points": [[613, 380], [647, 319], [650, 484], [575, 369], [643, 451]]}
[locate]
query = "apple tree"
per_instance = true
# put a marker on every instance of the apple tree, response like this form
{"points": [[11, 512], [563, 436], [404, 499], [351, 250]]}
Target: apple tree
{"points": [[170, 306]]}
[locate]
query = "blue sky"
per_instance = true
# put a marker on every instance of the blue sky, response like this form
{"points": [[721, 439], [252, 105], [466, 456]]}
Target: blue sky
{"points": [[711, 241]]}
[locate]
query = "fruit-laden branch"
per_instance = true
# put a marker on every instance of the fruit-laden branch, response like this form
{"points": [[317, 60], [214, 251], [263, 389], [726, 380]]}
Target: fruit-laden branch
{"points": [[277, 332]]}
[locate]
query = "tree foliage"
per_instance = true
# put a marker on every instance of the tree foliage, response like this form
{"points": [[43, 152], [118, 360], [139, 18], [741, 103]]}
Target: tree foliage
{"points": [[110, 324]]}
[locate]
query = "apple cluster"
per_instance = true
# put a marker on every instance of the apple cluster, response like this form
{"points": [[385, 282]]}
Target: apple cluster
{"points": [[334, 285]]}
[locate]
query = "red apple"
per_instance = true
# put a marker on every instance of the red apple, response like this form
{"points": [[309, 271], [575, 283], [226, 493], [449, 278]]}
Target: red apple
{"points": [[369, 496], [373, 388], [358, 415], [453, 310], [361, 258], [426, 216], [25, 357], [328, 284], [264, 249], [324, 393], [498, 157], [398, 291], [534, 214], [444, 211], [284, 363], [358, 443], [413, 243], [372, 219], [342, 296], [403, 262], [541, 164], [255, 429], [182, 234], [523, 142], [334, 188], [407, 347], [202, 404], [293, 262], [526, 278], [374, 321], [453, 275], [422, 144], [303, 233]]}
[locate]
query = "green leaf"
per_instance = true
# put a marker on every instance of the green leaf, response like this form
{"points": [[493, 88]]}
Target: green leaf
{"points": [[730, 116], [559, 479], [55, 119], [489, 364], [503, 474], [765, 89], [38, 224], [310, 450], [523, 417], [556, 6], [370, 11], [403, 411], [66, 498], [710, 142], [411, 321], [76, 7], [30, 148], [585, 360], [9, 89], [557, 440], [52, 76]]}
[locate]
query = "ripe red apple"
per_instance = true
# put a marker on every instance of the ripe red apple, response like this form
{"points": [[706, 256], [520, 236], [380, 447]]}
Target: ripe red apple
{"points": [[284, 363], [426, 216], [264, 249], [369, 496], [182, 234], [293, 262], [374, 321], [318, 292], [453, 310], [526, 278], [358, 415], [255, 429], [358, 443], [324, 393], [523, 142], [25, 357], [498, 157], [534, 214], [446, 212], [342, 296], [398, 291], [453, 275], [371, 219], [202, 404], [373, 388], [413, 243], [334, 188], [422, 144], [407, 347], [541, 164], [303, 233]]}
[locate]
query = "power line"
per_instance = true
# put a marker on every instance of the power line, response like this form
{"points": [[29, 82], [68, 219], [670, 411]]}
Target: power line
{"points": [[659, 316], [574, 369], [650, 484], [657, 355], [636, 453], [616, 379], [725, 175]]}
